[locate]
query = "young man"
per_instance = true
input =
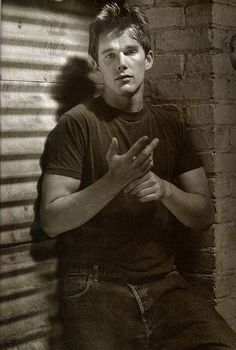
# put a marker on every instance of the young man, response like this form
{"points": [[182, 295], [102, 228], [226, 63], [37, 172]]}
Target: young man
{"points": [[108, 192]]}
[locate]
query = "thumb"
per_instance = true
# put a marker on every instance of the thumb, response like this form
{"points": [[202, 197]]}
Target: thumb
{"points": [[112, 151]]}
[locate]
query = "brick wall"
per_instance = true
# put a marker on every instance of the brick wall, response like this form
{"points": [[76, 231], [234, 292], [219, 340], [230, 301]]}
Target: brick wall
{"points": [[224, 177], [192, 68]]}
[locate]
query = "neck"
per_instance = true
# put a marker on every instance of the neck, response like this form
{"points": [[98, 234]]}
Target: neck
{"points": [[133, 103]]}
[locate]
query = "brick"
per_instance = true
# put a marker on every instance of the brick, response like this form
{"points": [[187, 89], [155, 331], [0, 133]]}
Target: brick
{"points": [[162, 17], [222, 234], [222, 141], [225, 260], [174, 89], [167, 65], [198, 15], [203, 139], [198, 115], [223, 210], [208, 159], [220, 186], [233, 208], [198, 65], [222, 66], [232, 89], [225, 88], [233, 185], [225, 162], [232, 136], [224, 113], [203, 262], [225, 236], [220, 38], [180, 2], [224, 15], [226, 285], [221, 89], [211, 187], [232, 235], [182, 40], [141, 3]]}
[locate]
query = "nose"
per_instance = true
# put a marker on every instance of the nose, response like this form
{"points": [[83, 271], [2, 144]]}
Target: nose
{"points": [[122, 62]]}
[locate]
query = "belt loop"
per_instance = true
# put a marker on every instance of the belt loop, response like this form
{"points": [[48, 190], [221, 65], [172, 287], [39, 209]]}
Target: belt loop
{"points": [[95, 273]]}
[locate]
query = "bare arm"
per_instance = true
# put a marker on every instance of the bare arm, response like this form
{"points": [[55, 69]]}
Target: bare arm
{"points": [[65, 207], [191, 205]]}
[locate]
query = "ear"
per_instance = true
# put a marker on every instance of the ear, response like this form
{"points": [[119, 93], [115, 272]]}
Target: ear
{"points": [[93, 65], [149, 60]]}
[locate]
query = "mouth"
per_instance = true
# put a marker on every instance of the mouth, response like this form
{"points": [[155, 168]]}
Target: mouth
{"points": [[124, 76]]}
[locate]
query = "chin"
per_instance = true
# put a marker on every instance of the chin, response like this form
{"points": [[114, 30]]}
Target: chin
{"points": [[127, 90]]}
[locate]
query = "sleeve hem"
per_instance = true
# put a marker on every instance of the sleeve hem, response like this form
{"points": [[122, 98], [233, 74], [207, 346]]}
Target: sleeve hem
{"points": [[64, 172]]}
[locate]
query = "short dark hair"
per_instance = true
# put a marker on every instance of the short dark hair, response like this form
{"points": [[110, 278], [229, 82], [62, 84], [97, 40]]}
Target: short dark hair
{"points": [[123, 17]]}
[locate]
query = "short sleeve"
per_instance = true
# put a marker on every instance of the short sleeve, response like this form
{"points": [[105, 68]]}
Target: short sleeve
{"points": [[65, 148], [187, 158]]}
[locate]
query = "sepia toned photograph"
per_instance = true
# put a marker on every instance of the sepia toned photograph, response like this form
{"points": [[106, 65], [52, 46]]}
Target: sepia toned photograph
{"points": [[118, 175]]}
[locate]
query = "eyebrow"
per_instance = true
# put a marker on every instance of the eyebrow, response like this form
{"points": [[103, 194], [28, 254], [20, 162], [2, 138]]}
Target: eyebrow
{"points": [[127, 47]]}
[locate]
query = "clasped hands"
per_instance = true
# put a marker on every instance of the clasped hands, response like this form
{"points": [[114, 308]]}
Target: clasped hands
{"points": [[132, 170]]}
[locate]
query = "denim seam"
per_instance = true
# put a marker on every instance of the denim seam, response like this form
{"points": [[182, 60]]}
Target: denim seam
{"points": [[80, 294], [141, 308]]}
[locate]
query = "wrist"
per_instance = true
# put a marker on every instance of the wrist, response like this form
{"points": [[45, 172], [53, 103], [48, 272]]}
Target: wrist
{"points": [[113, 182], [166, 190]]}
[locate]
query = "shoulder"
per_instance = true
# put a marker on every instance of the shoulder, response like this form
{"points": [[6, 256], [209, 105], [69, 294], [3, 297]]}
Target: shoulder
{"points": [[169, 111], [78, 117], [170, 115]]}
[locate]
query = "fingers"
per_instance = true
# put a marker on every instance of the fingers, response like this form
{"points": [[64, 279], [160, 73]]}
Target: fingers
{"points": [[137, 147], [132, 185], [148, 198], [147, 151], [112, 151], [151, 157]]}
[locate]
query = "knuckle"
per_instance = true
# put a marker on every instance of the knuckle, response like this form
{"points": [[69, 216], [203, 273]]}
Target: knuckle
{"points": [[145, 153]]}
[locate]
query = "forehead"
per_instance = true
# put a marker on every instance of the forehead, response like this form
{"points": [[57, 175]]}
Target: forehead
{"points": [[115, 39]]}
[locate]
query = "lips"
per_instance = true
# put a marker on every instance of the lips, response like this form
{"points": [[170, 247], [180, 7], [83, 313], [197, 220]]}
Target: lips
{"points": [[124, 76]]}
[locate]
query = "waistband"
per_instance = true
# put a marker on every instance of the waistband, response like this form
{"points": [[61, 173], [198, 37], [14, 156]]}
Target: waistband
{"points": [[100, 271]]}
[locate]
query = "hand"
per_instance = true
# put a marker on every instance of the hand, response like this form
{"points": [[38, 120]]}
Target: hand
{"points": [[133, 164], [147, 188]]}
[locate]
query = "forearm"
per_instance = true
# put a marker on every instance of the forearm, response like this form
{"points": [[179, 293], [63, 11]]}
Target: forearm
{"points": [[73, 210], [194, 210]]}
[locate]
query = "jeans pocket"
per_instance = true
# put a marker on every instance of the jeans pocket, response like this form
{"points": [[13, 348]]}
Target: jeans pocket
{"points": [[76, 284]]}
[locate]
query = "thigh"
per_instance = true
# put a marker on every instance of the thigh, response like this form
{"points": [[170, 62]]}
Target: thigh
{"points": [[185, 320], [100, 315]]}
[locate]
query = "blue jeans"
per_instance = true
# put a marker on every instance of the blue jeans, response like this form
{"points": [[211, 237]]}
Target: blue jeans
{"points": [[104, 311]]}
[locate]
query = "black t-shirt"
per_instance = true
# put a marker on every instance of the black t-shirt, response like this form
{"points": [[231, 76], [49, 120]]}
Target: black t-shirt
{"points": [[136, 238]]}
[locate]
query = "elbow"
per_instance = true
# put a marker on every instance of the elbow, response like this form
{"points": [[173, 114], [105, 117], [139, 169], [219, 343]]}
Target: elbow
{"points": [[47, 225], [49, 230], [205, 221]]}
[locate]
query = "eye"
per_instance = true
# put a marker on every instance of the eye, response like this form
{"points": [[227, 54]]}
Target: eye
{"points": [[130, 52], [109, 55]]}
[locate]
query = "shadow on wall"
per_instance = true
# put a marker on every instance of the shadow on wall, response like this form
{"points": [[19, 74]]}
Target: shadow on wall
{"points": [[74, 87]]}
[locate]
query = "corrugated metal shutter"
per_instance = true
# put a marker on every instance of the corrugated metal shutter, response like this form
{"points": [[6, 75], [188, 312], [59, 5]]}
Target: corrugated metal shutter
{"points": [[37, 38]]}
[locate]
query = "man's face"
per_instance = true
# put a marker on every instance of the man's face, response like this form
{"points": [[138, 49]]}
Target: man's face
{"points": [[122, 63]]}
